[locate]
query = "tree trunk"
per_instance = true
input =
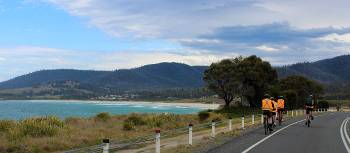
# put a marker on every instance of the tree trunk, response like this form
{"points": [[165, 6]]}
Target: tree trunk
{"points": [[228, 99]]}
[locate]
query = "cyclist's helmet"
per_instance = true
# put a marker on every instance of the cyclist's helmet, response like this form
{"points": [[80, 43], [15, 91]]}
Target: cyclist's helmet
{"points": [[280, 97], [272, 98], [266, 96]]}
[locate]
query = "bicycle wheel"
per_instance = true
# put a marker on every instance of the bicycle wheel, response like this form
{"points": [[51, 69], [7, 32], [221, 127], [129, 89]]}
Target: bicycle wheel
{"points": [[280, 119], [308, 123], [265, 125]]}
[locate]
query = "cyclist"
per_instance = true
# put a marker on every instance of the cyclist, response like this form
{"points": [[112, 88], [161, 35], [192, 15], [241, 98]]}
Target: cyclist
{"points": [[267, 108], [280, 106], [309, 105], [274, 111]]}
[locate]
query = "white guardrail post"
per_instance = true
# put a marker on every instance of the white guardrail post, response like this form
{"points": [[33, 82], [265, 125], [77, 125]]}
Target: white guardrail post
{"points": [[243, 122], [230, 124], [212, 129], [262, 118], [292, 113], [253, 118], [190, 134], [105, 147], [157, 140]]}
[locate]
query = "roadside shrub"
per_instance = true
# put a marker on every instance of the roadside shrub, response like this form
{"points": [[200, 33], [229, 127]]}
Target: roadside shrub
{"points": [[323, 104], [203, 115], [154, 121], [135, 120], [127, 126], [72, 120], [5, 125], [104, 116], [216, 117], [43, 126], [14, 134]]}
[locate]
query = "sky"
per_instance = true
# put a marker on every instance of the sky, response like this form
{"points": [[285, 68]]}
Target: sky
{"points": [[116, 34]]}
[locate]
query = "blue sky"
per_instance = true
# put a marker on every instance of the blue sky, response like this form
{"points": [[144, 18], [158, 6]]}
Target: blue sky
{"points": [[108, 35]]}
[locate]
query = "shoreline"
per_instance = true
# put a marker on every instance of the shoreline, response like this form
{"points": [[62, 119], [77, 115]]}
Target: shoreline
{"points": [[159, 103]]}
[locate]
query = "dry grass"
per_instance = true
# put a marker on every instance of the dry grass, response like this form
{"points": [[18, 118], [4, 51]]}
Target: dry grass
{"points": [[49, 134]]}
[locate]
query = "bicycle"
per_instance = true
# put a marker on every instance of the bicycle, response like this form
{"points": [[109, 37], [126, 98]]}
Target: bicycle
{"points": [[280, 118], [266, 125], [309, 116]]}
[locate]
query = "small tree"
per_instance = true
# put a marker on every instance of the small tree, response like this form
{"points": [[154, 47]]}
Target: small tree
{"points": [[222, 78]]}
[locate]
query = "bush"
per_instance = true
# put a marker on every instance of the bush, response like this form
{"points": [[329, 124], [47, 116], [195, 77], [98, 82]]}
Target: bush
{"points": [[37, 127], [323, 104], [203, 115], [135, 120], [104, 116], [154, 121], [72, 120], [5, 125], [127, 126]]}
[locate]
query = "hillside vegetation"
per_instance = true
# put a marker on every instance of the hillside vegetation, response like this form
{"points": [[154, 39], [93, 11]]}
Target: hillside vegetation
{"points": [[158, 81]]}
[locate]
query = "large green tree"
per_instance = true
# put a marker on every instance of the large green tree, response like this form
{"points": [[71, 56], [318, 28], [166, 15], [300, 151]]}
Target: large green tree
{"points": [[248, 77], [301, 88], [256, 78], [221, 77]]}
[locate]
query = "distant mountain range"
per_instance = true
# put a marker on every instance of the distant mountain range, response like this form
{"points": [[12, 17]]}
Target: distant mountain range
{"points": [[334, 70], [160, 76], [154, 76]]}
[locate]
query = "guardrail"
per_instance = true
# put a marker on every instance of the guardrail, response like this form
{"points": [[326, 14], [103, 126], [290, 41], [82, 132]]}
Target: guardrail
{"points": [[114, 145]]}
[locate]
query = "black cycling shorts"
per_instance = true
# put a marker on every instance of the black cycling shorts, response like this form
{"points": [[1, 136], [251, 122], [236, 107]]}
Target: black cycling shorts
{"points": [[280, 110], [266, 112], [308, 110]]}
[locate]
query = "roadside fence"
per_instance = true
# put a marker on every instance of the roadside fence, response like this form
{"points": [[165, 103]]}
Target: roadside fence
{"points": [[230, 124]]}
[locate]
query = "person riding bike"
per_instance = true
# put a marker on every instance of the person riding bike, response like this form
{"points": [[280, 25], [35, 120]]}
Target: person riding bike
{"points": [[274, 111], [280, 106], [309, 105], [267, 108]]}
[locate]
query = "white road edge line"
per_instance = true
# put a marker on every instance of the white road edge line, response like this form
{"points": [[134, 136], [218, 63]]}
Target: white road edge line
{"points": [[262, 140], [346, 131], [342, 134]]}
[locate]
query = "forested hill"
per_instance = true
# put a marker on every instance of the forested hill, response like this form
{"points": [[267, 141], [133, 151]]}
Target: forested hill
{"points": [[171, 75], [161, 75], [326, 71]]}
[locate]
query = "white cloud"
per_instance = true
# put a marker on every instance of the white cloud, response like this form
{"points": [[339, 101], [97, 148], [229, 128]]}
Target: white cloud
{"points": [[185, 19], [267, 48], [345, 38], [25, 59]]}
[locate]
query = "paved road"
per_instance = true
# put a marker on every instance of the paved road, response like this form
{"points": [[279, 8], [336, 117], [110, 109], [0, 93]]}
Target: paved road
{"points": [[323, 136]]}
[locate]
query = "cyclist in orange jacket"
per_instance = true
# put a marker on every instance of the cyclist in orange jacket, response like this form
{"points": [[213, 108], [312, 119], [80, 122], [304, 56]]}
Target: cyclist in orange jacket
{"points": [[280, 106], [267, 108]]}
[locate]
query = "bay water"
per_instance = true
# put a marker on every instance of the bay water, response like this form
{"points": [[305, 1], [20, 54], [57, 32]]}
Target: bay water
{"points": [[20, 109]]}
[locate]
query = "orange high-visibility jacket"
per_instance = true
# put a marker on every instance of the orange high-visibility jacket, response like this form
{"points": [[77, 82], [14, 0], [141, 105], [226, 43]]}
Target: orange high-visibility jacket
{"points": [[280, 103], [266, 104], [275, 106]]}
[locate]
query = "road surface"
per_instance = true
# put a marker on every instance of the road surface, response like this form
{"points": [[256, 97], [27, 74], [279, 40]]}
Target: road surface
{"points": [[326, 135]]}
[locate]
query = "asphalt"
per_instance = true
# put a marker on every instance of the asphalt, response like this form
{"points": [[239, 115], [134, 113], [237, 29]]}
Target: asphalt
{"points": [[323, 136]]}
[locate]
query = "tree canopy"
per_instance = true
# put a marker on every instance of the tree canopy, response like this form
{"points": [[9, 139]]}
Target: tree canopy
{"points": [[248, 78], [298, 88], [221, 78]]}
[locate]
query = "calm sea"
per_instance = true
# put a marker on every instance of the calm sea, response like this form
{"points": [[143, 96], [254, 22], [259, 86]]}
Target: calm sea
{"points": [[19, 109]]}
